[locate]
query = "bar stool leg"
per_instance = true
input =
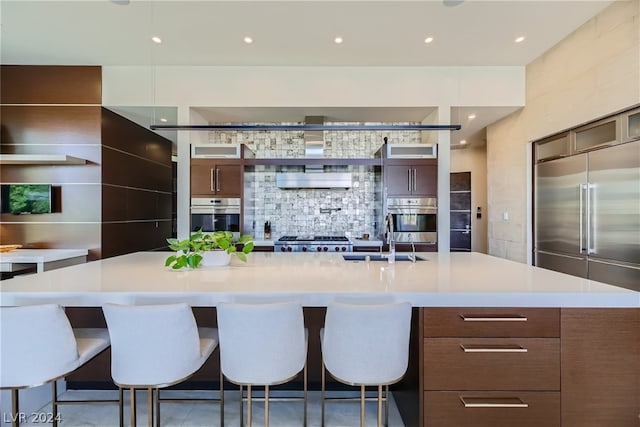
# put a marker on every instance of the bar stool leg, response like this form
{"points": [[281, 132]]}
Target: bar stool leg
{"points": [[222, 399], [121, 405], [322, 396], [241, 408], [54, 402], [386, 405], [304, 385], [132, 392], [14, 407], [361, 406], [266, 406], [157, 407], [379, 405], [249, 405]]}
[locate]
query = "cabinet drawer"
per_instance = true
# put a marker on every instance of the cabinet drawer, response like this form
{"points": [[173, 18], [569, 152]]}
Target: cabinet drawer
{"points": [[492, 364], [492, 322], [491, 409]]}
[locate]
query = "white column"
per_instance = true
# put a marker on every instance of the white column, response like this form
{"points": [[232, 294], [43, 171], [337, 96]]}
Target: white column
{"points": [[444, 169], [184, 173]]}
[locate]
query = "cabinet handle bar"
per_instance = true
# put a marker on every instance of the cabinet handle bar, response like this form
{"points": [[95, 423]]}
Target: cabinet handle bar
{"points": [[510, 318], [514, 348], [515, 402]]}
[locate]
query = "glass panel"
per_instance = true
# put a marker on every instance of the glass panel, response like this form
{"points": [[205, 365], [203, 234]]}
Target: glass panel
{"points": [[595, 136], [634, 125]]}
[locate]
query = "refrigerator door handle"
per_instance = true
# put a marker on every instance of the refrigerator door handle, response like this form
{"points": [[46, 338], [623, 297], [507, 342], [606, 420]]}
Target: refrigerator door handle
{"points": [[581, 189], [590, 226]]}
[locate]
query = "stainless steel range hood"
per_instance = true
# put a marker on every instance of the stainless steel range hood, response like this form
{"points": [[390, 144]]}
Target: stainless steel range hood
{"points": [[314, 176]]}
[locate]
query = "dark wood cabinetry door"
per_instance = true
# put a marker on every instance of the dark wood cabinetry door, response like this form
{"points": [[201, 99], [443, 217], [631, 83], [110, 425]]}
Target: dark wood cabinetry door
{"points": [[211, 179], [425, 181], [228, 180], [412, 180], [398, 180]]}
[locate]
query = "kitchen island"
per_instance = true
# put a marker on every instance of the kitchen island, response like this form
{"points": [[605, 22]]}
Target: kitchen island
{"points": [[494, 342]]}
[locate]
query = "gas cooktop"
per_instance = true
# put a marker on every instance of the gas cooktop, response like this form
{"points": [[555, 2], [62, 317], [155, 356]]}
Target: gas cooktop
{"points": [[313, 239]]}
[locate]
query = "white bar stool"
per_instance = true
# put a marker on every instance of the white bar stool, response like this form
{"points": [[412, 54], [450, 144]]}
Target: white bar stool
{"points": [[39, 346], [157, 346], [365, 345], [262, 344]]}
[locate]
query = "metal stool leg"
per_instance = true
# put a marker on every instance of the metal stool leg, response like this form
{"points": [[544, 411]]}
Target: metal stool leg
{"points": [[322, 393], [304, 385], [361, 406], [157, 407], [249, 405], [222, 398], [54, 402], [14, 407], [132, 391], [379, 406], [150, 406], [266, 406], [121, 405], [386, 405]]}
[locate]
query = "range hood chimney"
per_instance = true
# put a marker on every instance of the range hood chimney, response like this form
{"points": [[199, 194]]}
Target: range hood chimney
{"points": [[314, 176]]}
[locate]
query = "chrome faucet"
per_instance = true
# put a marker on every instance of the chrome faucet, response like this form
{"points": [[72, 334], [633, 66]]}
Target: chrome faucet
{"points": [[389, 229], [412, 257]]}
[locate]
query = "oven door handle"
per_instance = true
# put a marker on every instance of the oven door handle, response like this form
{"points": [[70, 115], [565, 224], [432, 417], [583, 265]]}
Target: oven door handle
{"points": [[214, 210]]}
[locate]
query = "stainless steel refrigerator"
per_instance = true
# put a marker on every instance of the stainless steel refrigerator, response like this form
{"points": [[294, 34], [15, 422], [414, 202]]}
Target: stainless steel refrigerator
{"points": [[587, 215]]}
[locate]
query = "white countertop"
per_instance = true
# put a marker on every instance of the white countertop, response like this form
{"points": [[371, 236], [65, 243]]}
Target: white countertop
{"points": [[40, 255], [445, 280]]}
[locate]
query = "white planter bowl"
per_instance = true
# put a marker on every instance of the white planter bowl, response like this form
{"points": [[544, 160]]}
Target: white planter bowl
{"points": [[215, 258]]}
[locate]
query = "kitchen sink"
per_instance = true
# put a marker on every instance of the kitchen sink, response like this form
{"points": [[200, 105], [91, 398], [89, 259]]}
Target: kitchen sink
{"points": [[378, 257]]}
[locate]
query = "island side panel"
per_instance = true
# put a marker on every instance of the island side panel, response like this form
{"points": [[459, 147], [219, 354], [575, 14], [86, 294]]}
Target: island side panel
{"points": [[600, 367]]}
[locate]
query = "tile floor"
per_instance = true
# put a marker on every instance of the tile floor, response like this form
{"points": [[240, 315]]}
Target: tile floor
{"points": [[187, 414]]}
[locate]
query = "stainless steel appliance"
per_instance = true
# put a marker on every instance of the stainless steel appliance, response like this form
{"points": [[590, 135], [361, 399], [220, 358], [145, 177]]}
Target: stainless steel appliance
{"points": [[414, 219], [587, 215], [215, 214], [313, 244]]}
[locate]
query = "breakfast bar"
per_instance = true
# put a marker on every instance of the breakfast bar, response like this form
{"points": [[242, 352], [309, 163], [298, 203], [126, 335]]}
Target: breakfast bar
{"points": [[578, 340]]}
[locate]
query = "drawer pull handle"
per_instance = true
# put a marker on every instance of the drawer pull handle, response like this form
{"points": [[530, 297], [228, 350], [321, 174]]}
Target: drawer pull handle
{"points": [[496, 402], [503, 348], [507, 318]]}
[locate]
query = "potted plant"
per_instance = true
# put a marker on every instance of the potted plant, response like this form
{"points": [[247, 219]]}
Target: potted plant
{"points": [[190, 252]]}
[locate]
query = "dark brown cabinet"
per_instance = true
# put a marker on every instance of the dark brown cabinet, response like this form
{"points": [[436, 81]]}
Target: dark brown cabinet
{"points": [[412, 180], [211, 178]]}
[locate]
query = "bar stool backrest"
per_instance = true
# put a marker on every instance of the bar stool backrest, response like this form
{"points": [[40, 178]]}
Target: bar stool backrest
{"points": [[37, 344], [261, 343], [367, 344], [152, 345]]}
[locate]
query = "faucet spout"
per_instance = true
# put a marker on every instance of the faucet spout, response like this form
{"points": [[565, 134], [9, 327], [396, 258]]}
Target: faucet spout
{"points": [[389, 229]]}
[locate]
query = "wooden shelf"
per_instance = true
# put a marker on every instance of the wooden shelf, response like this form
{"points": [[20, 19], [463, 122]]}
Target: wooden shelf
{"points": [[40, 159]]}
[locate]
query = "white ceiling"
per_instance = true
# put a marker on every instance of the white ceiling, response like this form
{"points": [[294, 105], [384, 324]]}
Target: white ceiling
{"points": [[292, 33]]}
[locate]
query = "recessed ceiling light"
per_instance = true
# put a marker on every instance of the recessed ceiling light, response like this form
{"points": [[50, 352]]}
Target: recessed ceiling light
{"points": [[463, 141], [519, 39], [471, 116], [338, 40], [428, 40], [156, 39], [163, 120], [248, 40]]}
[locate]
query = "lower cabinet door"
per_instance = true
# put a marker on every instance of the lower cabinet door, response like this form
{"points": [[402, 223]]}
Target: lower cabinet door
{"points": [[491, 409]]}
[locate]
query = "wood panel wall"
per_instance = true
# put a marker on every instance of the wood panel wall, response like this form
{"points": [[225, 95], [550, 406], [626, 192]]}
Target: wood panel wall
{"points": [[119, 201], [54, 110], [136, 187]]}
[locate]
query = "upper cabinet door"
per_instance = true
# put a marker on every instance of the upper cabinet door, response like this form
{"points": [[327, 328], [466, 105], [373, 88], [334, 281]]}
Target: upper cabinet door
{"points": [[212, 179], [399, 180], [228, 180], [412, 180], [425, 181], [203, 179]]}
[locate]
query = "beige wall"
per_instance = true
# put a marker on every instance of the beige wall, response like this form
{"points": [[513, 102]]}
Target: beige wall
{"points": [[474, 160], [593, 72]]}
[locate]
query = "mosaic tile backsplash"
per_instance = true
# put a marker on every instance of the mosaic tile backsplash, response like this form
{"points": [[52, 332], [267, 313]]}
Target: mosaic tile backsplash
{"points": [[354, 211]]}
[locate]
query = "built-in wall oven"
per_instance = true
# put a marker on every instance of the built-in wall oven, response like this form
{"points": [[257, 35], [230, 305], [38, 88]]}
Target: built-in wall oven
{"points": [[215, 214], [414, 219]]}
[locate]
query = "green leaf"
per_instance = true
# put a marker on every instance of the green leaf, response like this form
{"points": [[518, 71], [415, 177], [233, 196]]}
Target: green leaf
{"points": [[247, 247], [241, 256], [245, 238], [170, 260]]}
